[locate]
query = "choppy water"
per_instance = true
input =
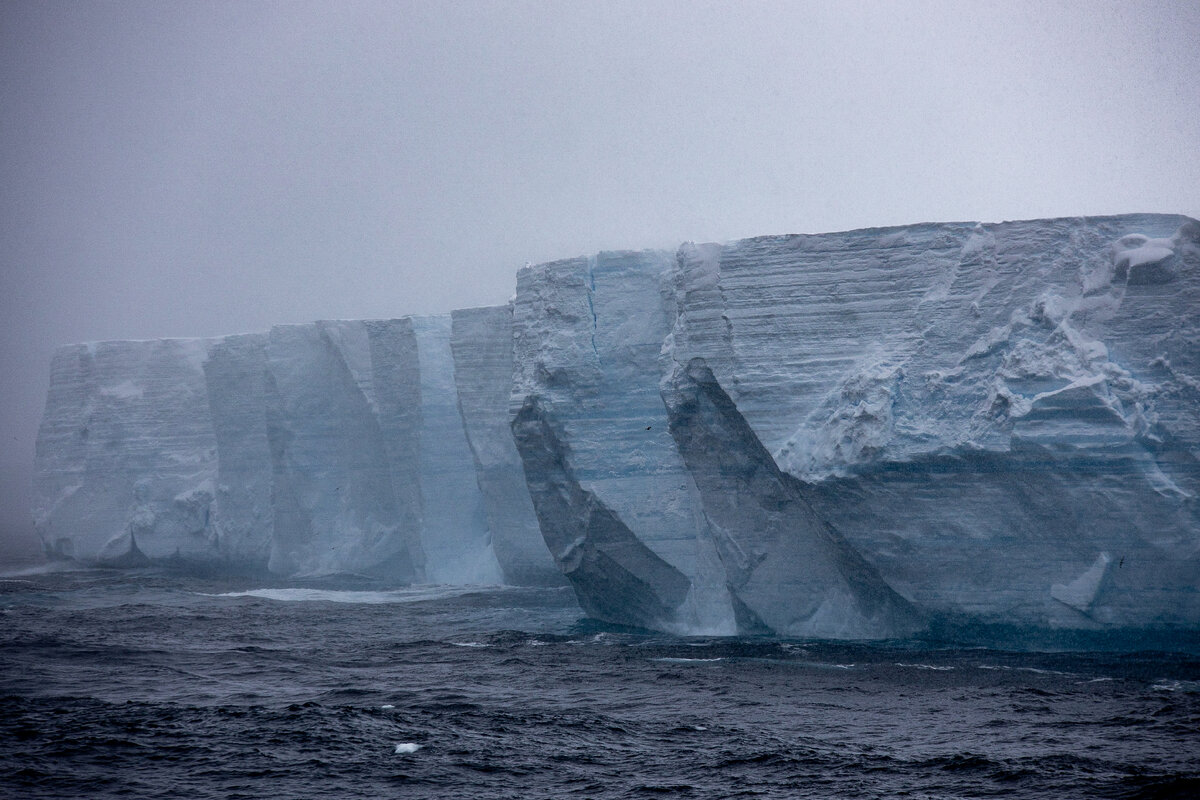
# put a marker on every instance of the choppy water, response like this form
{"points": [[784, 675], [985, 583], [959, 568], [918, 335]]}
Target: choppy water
{"points": [[170, 687]]}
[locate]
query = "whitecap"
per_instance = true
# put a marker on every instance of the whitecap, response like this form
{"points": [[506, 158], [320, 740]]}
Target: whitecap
{"points": [[409, 595], [926, 666], [1164, 685], [1037, 671], [1034, 670]]}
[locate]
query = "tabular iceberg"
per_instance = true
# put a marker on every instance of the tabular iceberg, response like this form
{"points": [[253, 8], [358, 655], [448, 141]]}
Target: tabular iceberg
{"points": [[841, 435], [874, 429], [329, 447]]}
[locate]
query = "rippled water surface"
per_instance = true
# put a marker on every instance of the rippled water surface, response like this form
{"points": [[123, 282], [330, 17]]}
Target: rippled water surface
{"points": [[159, 686]]}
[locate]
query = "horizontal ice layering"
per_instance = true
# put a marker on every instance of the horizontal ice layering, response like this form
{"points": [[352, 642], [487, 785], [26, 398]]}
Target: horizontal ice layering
{"points": [[331, 447], [842, 435]]}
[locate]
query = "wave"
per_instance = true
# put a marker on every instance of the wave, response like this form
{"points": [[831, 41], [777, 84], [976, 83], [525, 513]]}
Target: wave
{"points": [[415, 594]]}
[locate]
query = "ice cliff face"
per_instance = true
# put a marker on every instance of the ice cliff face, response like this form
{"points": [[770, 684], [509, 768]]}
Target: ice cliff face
{"points": [[482, 344], [313, 449], [617, 506], [985, 412], [128, 435], [847, 435], [869, 430]]}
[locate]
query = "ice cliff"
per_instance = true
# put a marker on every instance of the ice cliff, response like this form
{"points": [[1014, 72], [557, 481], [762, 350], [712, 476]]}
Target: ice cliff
{"points": [[331, 447], [847, 435]]}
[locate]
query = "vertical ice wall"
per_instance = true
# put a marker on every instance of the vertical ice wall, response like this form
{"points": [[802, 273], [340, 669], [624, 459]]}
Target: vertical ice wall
{"points": [[332, 490], [458, 545], [829, 435], [482, 343], [985, 422], [1017, 390], [395, 397], [126, 453], [788, 571], [328, 447], [616, 503], [235, 377]]}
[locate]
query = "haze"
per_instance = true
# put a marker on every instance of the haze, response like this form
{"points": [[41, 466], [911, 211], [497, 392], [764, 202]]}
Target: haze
{"points": [[195, 169]]}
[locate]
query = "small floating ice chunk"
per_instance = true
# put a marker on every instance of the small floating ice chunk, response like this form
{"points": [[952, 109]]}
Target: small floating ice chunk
{"points": [[406, 748]]}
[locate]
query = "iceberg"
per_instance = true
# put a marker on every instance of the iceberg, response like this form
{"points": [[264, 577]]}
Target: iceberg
{"points": [[313, 449], [845, 435], [876, 429]]}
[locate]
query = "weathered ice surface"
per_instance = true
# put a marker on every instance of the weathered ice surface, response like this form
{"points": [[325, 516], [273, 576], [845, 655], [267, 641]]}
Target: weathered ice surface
{"points": [[482, 343], [127, 461], [458, 546], [986, 412], [972, 423], [773, 545], [235, 378], [849, 435], [333, 493], [329, 447], [395, 399], [587, 336]]}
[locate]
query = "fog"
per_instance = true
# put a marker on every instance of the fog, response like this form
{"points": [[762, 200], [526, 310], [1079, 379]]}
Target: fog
{"points": [[194, 169]]}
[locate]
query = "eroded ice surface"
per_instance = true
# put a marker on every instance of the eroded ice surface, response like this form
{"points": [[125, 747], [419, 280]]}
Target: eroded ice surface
{"points": [[458, 543], [313, 449], [126, 453], [615, 500], [848, 435], [980, 412], [482, 343]]}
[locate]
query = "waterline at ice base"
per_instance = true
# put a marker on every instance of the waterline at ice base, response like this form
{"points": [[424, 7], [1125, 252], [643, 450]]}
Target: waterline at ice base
{"points": [[875, 434]]}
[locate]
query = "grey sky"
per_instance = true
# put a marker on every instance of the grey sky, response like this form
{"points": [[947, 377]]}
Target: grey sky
{"points": [[192, 169]]}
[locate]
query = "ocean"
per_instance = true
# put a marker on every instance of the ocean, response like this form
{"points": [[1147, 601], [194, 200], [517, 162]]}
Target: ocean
{"points": [[153, 685]]}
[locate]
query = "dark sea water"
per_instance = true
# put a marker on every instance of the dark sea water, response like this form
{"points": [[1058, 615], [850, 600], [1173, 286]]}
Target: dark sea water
{"points": [[157, 686]]}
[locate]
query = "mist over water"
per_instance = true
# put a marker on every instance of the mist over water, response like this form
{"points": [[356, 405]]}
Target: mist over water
{"points": [[156, 685]]}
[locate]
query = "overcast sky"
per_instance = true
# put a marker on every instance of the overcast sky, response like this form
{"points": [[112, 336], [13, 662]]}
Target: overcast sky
{"points": [[193, 169]]}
